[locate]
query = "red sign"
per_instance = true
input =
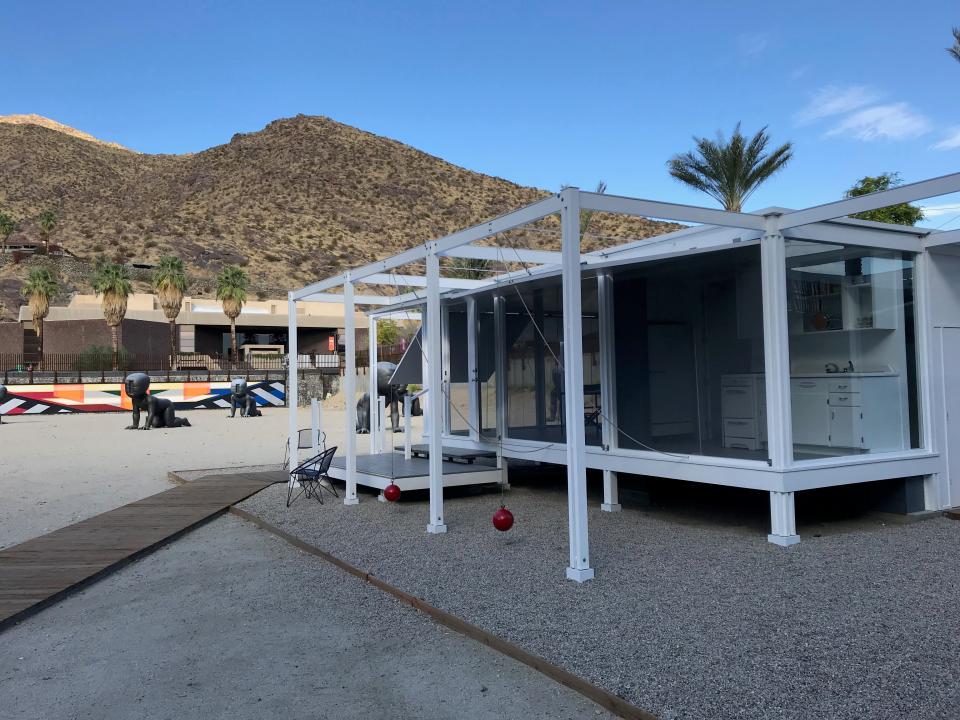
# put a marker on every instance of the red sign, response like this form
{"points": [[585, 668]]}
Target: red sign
{"points": [[330, 341]]}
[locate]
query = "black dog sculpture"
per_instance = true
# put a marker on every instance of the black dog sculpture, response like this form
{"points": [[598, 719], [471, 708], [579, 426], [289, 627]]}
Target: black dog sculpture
{"points": [[241, 397], [160, 412], [393, 393]]}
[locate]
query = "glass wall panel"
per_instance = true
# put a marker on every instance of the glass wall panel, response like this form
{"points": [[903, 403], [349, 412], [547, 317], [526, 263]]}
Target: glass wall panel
{"points": [[853, 363], [689, 355], [487, 366], [456, 367], [534, 340]]}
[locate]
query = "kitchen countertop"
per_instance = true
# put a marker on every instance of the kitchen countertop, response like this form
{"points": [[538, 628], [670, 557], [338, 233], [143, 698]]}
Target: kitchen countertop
{"points": [[878, 373]]}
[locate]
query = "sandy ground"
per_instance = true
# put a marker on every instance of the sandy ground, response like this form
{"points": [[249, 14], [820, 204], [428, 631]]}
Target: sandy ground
{"points": [[58, 469], [231, 622]]}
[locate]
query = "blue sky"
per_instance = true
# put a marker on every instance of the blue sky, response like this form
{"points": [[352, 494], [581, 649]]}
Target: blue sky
{"points": [[543, 94]]}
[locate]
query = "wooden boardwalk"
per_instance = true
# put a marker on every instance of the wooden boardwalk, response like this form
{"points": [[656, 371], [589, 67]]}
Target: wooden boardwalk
{"points": [[40, 571]]}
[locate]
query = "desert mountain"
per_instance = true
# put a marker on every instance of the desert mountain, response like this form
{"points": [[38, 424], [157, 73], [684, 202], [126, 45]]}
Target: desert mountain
{"points": [[301, 199]]}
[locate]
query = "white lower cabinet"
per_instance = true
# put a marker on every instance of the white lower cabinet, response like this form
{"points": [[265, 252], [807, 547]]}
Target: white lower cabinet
{"points": [[811, 413], [863, 413]]}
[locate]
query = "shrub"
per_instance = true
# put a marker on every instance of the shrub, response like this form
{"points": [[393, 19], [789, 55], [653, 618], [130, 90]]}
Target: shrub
{"points": [[97, 357]]}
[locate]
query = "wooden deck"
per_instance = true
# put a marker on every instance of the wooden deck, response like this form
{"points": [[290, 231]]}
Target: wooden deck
{"points": [[40, 571]]}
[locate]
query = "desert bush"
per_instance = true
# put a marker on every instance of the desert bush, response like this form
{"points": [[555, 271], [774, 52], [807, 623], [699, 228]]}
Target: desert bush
{"points": [[100, 357]]}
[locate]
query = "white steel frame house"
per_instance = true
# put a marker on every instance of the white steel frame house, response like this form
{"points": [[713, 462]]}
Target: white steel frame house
{"points": [[788, 256]]}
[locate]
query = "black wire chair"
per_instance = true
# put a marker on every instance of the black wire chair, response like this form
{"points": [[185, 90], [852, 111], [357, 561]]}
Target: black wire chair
{"points": [[312, 478], [304, 442]]}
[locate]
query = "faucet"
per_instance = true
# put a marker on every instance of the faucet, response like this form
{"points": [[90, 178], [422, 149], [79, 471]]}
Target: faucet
{"points": [[849, 365]]}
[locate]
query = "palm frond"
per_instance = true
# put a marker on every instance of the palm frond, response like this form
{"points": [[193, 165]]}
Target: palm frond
{"points": [[731, 170]]}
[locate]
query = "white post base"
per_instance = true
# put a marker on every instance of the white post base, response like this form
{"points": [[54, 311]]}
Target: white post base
{"points": [[611, 492], [579, 575], [783, 540], [783, 523], [381, 498], [436, 529], [351, 501]]}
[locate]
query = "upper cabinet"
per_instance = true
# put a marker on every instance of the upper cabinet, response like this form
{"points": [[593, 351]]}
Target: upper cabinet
{"points": [[865, 297]]}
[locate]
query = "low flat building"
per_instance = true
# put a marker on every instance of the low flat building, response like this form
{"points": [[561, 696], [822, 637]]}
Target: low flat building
{"points": [[201, 326]]}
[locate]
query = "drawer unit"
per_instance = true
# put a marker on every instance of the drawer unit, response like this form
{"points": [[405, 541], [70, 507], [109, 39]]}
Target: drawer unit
{"points": [[835, 399], [738, 402], [740, 427], [743, 410], [844, 385], [742, 443]]}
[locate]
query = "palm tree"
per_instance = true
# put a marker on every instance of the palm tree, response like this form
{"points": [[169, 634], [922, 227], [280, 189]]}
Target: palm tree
{"points": [[232, 292], [731, 171], [112, 281], [955, 50], [586, 217], [39, 289], [47, 221], [170, 284], [7, 226]]}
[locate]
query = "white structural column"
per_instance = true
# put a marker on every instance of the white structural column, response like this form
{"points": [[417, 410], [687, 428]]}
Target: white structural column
{"points": [[435, 392], [316, 425], [292, 385], [579, 568], [776, 349], [350, 391], [608, 389], [783, 523], [374, 410], [473, 375]]}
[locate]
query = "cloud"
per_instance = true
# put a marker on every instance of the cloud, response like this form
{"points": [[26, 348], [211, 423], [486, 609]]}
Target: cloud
{"points": [[752, 44], [799, 72], [950, 142], [896, 121], [932, 211], [834, 100]]}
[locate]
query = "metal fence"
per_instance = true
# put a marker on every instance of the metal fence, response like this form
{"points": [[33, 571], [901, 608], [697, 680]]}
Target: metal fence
{"points": [[77, 367]]}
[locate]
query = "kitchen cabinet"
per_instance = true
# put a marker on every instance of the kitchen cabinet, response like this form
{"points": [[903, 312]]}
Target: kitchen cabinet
{"points": [[811, 413], [843, 411]]}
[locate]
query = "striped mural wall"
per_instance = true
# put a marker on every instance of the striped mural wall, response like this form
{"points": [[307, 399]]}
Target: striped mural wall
{"points": [[111, 397]]}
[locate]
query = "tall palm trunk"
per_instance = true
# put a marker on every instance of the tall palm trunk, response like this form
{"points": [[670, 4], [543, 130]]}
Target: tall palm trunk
{"points": [[233, 338], [173, 340], [38, 327], [115, 343]]}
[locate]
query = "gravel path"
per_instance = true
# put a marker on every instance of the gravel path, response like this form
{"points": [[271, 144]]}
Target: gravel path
{"points": [[231, 622], [685, 619]]}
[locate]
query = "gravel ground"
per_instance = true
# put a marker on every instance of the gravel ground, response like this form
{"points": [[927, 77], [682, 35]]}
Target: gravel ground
{"points": [[686, 618], [231, 622]]}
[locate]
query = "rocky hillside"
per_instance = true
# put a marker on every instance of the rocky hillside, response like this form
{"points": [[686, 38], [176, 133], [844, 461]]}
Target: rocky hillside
{"points": [[303, 198]]}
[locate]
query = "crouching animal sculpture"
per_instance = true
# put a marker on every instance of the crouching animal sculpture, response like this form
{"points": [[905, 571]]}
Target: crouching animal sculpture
{"points": [[394, 395], [241, 397], [160, 413]]}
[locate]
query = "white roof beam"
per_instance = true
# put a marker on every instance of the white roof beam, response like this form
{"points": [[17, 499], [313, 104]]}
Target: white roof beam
{"points": [[843, 234], [523, 216], [357, 299], [669, 211], [942, 238], [505, 254], [420, 281], [874, 201]]}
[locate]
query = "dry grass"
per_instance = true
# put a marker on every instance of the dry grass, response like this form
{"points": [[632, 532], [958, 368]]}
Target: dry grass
{"points": [[303, 198]]}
